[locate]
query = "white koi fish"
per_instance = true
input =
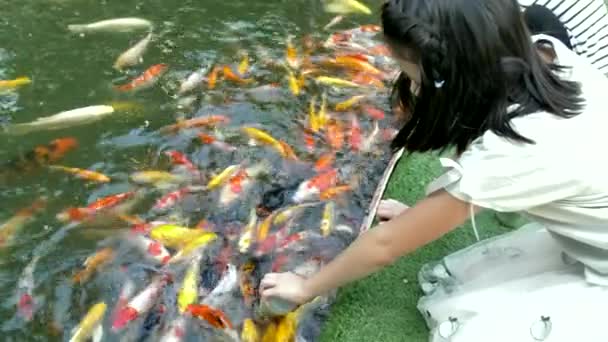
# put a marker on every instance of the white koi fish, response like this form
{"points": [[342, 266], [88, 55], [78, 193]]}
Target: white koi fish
{"points": [[134, 55], [112, 25], [70, 118]]}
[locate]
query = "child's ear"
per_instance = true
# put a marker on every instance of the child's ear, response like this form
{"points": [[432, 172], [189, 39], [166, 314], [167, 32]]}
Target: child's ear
{"points": [[546, 50]]}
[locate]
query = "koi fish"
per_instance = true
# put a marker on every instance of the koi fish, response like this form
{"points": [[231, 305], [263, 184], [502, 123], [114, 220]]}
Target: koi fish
{"points": [[269, 243], [16, 83], [247, 234], [354, 138], [70, 118], [212, 78], [176, 330], [243, 65], [336, 82], [356, 64], [346, 7], [290, 212], [82, 174], [291, 55], [159, 179], [134, 55], [43, 155], [241, 182], [126, 292], [286, 328], [309, 142], [333, 22], [213, 141], [264, 228], [374, 113], [112, 25], [334, 192], [25, 291], [246, 282], [93, 263], [313, 120], [250, 332], [175, 236], [188, 294], [231, 76], [261, 136], [287, 151], [139, 305], [151, 248], [216, 318], [170, 200], [327, 221], [335, 135], [192, 81], [223, 177], [204, 121], [368, 80], [290, 241], [350, 103], [371, 140], [179, 158], [105, 203], [15, 224], [91, 324], [270, 335], [322, 113], [294, 86], [198, 243], [145, 80], [314, 186], [224, 288]]}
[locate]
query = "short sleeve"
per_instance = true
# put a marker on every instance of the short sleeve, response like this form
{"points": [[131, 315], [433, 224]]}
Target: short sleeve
{"points": [[507, 176]]}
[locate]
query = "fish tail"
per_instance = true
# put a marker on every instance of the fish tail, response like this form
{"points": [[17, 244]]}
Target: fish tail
{"points": [[77, 28]]}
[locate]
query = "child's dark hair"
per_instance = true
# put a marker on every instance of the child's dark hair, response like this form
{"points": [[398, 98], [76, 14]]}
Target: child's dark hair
{"points": [[477, 59]]}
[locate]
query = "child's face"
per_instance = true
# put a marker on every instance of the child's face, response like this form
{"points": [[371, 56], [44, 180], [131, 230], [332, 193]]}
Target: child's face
{"points": [[412, 70]]}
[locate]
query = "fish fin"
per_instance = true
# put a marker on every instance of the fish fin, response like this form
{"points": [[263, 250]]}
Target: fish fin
{"points": [[98, 333]]}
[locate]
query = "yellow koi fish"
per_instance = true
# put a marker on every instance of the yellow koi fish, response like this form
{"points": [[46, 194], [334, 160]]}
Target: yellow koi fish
{"points": [[291, 55], [286, 329], [271, 333], [189, 291], [346, 7], [222, 177], [175, 236], [294, 85], [200, 242], [157, 178], [322, 113], [336, 82], [262, 137], [327, 221], [90, 326], [264, 228], [16, 83], [82, 174], [246, 236], [244, 65], [350, 103], [250, 331], [313, 121]]}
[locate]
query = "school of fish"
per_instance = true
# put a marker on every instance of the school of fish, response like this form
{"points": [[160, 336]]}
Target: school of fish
{"points": [[184, 249]]}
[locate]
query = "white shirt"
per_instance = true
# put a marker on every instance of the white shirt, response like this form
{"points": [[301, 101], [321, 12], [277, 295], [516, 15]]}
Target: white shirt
{"points": [[587, 24], [561, 181]]}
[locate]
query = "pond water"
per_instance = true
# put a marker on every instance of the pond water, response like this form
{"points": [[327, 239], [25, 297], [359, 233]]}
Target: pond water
{"points": [[71, 70]]}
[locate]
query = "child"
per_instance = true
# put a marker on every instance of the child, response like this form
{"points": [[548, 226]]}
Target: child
{"points": [[527, 118]]}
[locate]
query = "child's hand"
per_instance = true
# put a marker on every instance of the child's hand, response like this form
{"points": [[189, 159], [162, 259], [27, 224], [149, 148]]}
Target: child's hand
{"points": [[389, 209], [288, 286]]}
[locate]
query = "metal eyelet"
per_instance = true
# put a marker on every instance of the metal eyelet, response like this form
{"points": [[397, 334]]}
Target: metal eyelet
{"points": [[541, 329], [448, 328]]}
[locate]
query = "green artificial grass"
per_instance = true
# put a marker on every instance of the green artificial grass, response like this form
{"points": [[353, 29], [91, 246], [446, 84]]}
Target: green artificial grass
{"points": [[383, 306]]}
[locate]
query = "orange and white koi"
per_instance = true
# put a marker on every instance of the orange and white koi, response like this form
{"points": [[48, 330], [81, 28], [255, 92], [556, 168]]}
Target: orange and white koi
{"points": [[126, 292], [93, 263], [333, 22], [374, 112], [170, 200], [151, 248], [314, 186], [325, 162], [179, 158], [139, 305], [15, 224], [192, 81], [292, 239], [232, 76], [269, 243], [82, 174], [82, 214], [240, 182], [26, 305], [355, 138], [309, 142], [208, 139], [203, 121], [146, 80]]}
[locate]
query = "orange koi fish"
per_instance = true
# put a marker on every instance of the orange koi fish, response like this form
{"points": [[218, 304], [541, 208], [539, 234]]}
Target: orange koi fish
{"points": [[43, 155], [179, 158], [93, 263], [236, 181], [216, 318], [10, 228], [203, 121], [314, 186], [309, 142], [356, 64], [335, 135], [232, 76], [374, 113], [334, 192], [212, 78], [82, 214], [145, 80], [287, 151], [365, 79], [370, 28], [82, 174], [208, 139], [325, 162]]}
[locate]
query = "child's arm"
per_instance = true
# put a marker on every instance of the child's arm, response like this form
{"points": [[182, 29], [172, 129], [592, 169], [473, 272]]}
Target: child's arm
{"points": [[379, 247]]}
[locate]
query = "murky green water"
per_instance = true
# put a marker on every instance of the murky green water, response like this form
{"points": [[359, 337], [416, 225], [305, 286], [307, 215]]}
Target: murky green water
{"points": [[71, 71]]}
